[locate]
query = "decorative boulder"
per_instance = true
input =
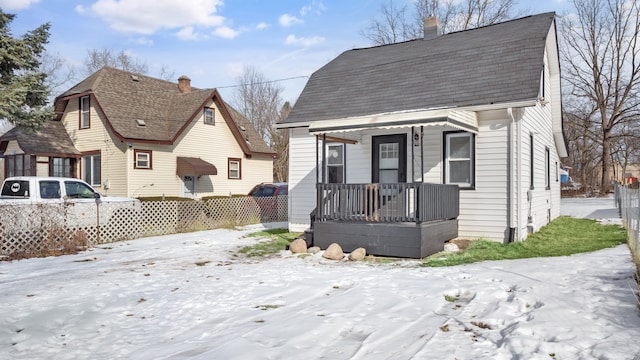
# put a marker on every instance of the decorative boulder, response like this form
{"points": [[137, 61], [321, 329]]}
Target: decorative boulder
{"points": [[451, 248], [313, 250], [298, 246], [333, 252], [358, 254]]}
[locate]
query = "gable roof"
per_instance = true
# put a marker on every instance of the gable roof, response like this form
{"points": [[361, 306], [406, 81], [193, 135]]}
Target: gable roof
{"points": [[499, 63], [52, 140], [126, 99]]}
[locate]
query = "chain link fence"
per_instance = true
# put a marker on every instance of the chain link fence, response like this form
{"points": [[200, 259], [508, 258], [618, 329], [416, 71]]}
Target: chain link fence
{"points": [[26, 229]]}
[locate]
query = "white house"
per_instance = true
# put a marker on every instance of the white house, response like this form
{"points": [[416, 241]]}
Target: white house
{"points": [[478, 109]]}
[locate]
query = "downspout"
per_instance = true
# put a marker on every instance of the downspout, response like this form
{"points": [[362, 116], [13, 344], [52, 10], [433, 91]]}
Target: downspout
{"points": [[513, 231]]}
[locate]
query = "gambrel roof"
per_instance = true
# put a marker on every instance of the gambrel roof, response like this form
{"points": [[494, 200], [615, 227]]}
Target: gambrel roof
{"points": [[495, 64], [128, 100]]}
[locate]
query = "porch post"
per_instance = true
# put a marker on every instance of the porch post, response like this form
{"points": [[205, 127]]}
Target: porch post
{"points": [[413, 156], [422, 152], [324, 158], [317, 162]]}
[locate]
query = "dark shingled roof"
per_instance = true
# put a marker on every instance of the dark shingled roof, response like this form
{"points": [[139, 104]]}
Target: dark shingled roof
{"points": [[499, 63], [125, 98], [53, 140]]}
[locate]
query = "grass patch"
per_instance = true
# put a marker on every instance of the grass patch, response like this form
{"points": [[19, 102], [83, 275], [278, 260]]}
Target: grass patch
{"points": [[563, 236], [277, 239]]}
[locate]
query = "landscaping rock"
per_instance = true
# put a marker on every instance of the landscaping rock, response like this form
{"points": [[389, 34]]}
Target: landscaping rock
{"points": [[313, 250], [451, 248], [333, 252], [358, 254], [298, 246]]}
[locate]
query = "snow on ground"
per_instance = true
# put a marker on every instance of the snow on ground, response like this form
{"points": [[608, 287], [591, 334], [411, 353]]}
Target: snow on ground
{"points": [[190, 296]]}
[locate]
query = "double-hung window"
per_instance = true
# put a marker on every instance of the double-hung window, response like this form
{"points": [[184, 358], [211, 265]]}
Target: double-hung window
{"points": [[235, 168], [91, 170], [19, 165], [143, 159], [209, 116], [459, 159], [335, 164], [85, 118]]}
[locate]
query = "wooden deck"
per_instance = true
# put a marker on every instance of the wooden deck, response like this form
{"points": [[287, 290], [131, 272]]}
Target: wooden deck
{"points": [[410, 220]]}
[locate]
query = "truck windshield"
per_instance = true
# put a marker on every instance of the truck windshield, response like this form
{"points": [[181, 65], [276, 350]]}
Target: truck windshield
{"points": [[17, 188]]}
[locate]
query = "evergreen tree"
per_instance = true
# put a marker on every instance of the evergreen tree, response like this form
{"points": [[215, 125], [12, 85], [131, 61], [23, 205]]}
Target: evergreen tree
{"points": [[23, 93]]}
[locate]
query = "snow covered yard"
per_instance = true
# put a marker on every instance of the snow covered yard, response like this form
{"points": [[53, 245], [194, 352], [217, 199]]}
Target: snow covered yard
{"points": [[189, 296]]}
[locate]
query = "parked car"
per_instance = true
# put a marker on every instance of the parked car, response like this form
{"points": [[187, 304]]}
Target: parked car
{"points": [[269, 189], [266, 196]]}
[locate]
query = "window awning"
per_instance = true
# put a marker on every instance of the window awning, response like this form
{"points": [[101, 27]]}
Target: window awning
{"points": [[190, 166], [461, 120]]}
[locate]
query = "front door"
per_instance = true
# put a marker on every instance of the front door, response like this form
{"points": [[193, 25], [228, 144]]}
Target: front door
{"points": [[188, 186], [389, 159]]}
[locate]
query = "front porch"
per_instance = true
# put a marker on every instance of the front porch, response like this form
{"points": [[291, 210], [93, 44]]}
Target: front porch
{"points": [[411, 220]]}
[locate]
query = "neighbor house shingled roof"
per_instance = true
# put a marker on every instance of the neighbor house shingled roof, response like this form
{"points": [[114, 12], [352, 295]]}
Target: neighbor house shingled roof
{"points": [[499, 63], [126, 98], [52, 140]]}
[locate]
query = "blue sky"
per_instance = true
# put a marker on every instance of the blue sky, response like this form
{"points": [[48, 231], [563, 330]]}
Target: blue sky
{"points": [[212, 40]]}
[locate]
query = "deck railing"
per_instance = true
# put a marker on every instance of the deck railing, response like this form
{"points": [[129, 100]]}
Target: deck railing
{"points": [[382, 202]]}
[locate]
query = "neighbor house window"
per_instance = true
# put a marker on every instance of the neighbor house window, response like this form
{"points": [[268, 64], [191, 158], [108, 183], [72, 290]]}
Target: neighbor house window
{"points": [[18, 165], [91, 171], [143, 159], [335, 164], [85, 118], [60, 167], [459, 159], [531, 164], [209, 116], [547, 168], [235, 168]]}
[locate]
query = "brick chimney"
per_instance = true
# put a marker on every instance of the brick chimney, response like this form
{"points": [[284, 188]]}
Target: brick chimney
{"points": [[431, 28], [184, 84]]}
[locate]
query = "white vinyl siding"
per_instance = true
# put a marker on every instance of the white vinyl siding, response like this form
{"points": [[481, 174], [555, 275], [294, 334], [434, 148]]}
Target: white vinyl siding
{"points": [[302, 178]]}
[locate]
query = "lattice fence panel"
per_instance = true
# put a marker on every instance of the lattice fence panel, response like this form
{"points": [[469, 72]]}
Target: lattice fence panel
{"points": [[33, 228]]}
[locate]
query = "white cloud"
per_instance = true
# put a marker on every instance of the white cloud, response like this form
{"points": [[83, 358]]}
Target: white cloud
{"points": [[304, 41], [225, 32], [188, 34], [262, 26], [316, 7], [148, 16], [16, 4], [143, 41], [287, 20]]}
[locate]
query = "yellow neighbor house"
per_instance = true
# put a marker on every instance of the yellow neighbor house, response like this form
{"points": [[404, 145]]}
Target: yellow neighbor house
{"points": [[132, 135]]}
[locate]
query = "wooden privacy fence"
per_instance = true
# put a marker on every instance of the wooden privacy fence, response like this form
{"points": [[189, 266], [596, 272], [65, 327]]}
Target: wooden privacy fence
{"points": [[34, 228]]}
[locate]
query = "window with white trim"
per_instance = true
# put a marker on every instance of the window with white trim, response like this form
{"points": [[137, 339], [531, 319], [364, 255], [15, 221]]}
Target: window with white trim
{"points": [[335, 164], [85, 113], [235, 168], [143, 159], [91, 169], [459, 159]]}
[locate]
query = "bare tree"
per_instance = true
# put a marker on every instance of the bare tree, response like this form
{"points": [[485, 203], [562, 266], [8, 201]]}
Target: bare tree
{"points": [[584, 148], [59, 73], [281, 146], [393, 25], [259, 100], [96, 59], [601, 58], [398, 24]]}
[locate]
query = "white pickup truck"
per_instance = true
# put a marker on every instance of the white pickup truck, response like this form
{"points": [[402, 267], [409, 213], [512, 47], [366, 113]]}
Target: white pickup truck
{"points": [[80, 203]]}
